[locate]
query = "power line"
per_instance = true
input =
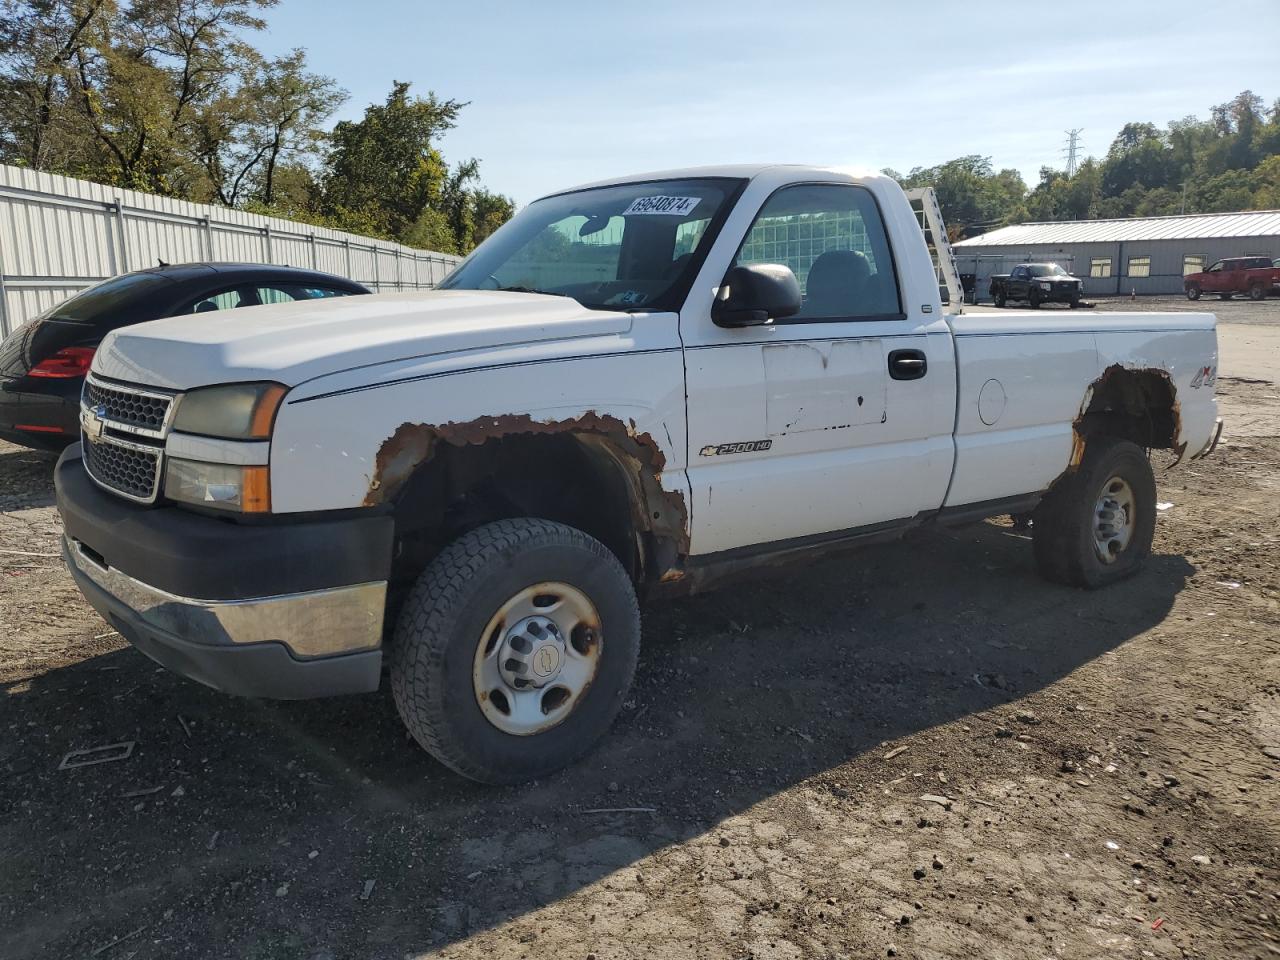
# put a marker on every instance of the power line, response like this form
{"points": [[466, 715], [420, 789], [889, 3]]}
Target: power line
{"points": [[1073, 143]]}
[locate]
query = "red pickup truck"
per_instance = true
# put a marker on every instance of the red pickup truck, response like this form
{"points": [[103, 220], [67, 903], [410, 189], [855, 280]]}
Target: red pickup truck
{"points": [[1259, 277]]}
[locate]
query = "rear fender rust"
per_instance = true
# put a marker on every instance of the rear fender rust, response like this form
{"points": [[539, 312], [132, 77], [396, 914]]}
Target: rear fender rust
{"points": [[1106, 386], [661, 512]]}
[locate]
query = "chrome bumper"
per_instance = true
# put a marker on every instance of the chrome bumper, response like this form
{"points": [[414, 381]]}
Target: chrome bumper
{"points": [[1212, 445], [318, 623]]}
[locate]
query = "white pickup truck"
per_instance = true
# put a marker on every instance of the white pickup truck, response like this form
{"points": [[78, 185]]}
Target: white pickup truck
{"points": [[635, 386]]}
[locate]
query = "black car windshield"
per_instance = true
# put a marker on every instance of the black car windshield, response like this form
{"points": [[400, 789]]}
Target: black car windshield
{"points": [[103, 298], [1047, 270], [625, 247]]}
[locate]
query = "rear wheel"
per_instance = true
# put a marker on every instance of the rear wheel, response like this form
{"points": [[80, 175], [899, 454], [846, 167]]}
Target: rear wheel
{"points": [[1096, 526], [1193, 291], [515, 649], [999, 299], [1257, 292]]}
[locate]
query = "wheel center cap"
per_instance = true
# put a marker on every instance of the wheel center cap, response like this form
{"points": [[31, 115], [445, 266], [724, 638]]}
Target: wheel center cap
{"points": [[546, 660], [532, 653]]}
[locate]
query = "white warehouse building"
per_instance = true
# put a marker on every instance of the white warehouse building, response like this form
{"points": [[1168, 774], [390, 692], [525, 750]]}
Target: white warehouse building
{"points": [[1143, 255]]}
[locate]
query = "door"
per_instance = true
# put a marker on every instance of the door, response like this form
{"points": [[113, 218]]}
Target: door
{"points": [[1018, 283], [1213, 278], [837, 419]]}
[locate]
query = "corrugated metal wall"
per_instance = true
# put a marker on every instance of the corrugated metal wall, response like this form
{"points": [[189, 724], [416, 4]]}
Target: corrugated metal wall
{"points": [[1166, 258], [58, 235]]}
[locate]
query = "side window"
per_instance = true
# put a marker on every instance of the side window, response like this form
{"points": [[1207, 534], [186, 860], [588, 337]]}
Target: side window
{"points": [[224, 300], [323, 293], [832, 238], [1019, 273], [277, 294], [288, 292]]}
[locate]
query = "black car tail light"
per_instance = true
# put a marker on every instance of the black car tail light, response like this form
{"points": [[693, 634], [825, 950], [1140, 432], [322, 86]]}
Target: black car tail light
{"points": [[64, 364]]}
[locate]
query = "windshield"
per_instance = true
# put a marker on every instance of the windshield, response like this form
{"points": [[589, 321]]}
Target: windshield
{"points": [[105, 297], [635, 245], [1047, 270]]}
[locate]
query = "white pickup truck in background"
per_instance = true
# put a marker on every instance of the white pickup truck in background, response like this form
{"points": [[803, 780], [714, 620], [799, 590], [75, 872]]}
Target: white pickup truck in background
{"points": [[635, 386]]}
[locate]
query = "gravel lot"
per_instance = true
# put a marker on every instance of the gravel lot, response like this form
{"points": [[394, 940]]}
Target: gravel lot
{"points": [[918, 750]]}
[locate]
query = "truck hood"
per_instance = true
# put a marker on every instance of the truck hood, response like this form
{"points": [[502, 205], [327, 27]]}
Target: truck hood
{"points": [[291, 343]]}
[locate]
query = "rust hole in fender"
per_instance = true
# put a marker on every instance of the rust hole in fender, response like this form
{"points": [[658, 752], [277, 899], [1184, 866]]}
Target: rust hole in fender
{"points": [[1137, 403], [654, 508]]}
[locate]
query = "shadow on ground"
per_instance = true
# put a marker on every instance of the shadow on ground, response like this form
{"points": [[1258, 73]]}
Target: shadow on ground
{"points": [[740, 694]]}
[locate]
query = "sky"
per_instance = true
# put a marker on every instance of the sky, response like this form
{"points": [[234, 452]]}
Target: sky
{"points": [[564, 92]]}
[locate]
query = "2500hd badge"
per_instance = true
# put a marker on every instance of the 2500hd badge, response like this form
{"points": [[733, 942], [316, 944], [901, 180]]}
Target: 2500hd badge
{"points": [[746, 446]]}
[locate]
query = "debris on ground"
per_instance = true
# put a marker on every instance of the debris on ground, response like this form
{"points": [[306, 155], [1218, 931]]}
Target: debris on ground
{"points": [[107, 753]]}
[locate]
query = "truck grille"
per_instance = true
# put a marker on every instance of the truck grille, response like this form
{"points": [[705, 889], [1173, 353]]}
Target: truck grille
{"points": [[123, 432], [142, 411], [127, 470]]}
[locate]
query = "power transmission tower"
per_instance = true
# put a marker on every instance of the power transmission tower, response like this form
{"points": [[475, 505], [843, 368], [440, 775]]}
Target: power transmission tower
{"points": [[1073, 142]]}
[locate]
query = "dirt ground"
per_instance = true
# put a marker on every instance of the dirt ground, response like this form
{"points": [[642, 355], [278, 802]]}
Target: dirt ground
{"points": [[919, 750]]}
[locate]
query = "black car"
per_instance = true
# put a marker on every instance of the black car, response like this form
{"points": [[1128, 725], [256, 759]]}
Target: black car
{"points": [[1037, 283], [43, 363]]}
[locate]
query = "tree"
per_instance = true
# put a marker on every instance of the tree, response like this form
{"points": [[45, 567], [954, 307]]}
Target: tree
{"points": [[384, 173], [40, 43], [243, 137], [971, 194]]}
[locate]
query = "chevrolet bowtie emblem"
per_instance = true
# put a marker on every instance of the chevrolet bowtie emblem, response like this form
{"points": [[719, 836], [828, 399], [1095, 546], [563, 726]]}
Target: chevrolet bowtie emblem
{"points": [[91, 420]]}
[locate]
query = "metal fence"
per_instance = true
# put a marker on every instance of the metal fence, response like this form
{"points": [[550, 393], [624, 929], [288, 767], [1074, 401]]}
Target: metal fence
{"points": [[58, 235]]}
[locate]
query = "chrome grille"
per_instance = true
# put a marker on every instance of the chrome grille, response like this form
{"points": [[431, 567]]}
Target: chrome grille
{"points": [[132, 470], [138, 410], [123, 429]]}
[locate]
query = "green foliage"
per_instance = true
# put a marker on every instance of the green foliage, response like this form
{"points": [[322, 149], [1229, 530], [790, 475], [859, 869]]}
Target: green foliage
{"points": [[170, 97], [971, 192], [1229, 162]]}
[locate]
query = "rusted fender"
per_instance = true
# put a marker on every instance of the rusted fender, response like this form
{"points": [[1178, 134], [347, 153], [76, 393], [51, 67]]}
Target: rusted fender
{"points": [[414, 444]]}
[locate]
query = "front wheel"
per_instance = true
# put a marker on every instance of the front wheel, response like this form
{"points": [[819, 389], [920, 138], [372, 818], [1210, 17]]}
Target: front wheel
{"points": [[999, 299], [1033, 298], [1096, 525], [1193, 291], [515, 649]]}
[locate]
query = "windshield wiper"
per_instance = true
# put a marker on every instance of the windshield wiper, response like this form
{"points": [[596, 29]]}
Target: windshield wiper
{"points": [[549, 293]]}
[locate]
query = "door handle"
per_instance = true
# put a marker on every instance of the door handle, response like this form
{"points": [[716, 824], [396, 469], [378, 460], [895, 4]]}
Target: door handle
{"points": [[907, 364]]}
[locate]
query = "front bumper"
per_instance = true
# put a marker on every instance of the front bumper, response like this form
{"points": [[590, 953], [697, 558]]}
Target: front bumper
{"points": [[283, 610]]}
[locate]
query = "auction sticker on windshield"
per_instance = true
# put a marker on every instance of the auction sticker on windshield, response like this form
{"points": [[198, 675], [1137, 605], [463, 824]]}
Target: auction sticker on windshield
{"points": [[670, 206]]}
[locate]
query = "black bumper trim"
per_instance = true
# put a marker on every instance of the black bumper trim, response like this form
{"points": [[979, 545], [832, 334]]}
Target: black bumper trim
{"points": [[192, 555]]}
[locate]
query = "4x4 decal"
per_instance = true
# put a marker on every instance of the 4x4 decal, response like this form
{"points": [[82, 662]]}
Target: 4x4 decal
{"points": [[1205, 377]]}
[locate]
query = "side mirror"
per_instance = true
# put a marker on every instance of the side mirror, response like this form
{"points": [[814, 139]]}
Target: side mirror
{"points": [[756, 293]]}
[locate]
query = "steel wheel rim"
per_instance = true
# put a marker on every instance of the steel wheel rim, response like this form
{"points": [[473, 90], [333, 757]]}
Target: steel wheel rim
{"points": [[1113, 519], [536, 658]]}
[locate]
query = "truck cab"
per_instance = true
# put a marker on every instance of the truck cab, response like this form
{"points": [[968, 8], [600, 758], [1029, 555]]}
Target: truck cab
{"points": [[635, 388]]}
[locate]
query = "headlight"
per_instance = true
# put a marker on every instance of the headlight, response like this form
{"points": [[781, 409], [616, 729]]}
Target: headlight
{"points": [[223, 486], [237, 411]]}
